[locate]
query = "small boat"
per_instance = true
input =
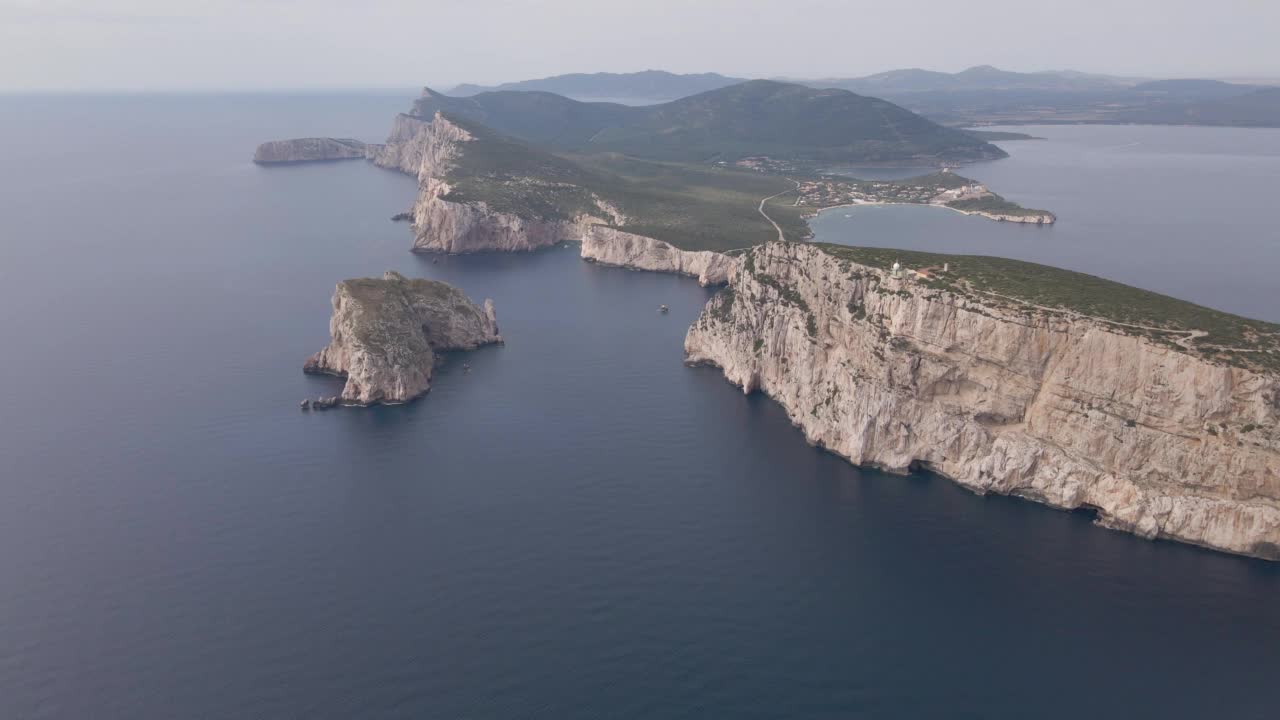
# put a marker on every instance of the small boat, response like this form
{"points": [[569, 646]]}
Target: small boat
{"points": [[663, 308]]}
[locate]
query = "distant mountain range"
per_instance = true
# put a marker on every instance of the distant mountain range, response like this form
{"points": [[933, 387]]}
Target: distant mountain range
{"points": [[979, 95], [982, 77], [649, 86], [1259, 107], [758, 117]]}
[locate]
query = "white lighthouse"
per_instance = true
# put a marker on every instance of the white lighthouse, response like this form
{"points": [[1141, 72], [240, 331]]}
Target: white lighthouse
{"points": [[897, 270]]}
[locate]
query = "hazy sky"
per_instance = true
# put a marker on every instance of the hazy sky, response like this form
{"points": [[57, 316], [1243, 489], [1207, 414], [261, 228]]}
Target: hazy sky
{"points": [[212, 44]]}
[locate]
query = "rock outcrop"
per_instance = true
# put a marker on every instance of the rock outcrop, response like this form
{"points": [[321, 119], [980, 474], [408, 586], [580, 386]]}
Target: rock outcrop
{"points": [[429, 150], [311, 150], [1070, 411], [424, 149], [385, 334], [610, 246], [1046, 218], [442, 225]]}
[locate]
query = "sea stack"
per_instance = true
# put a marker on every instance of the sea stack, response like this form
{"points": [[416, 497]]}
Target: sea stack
{"points": [[386, 332]]}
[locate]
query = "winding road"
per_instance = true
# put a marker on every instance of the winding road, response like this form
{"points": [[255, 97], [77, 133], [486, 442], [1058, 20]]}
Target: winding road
{"points": [[775, 225]]}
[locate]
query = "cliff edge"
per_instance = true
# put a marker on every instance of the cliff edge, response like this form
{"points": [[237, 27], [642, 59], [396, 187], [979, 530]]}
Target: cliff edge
{"points": [[478, 192], [386, 332], [982, 371]]}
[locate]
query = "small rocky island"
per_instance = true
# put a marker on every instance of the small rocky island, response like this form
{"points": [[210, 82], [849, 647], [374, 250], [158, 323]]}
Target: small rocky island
{"points": [[387, 332], [310, 150]]}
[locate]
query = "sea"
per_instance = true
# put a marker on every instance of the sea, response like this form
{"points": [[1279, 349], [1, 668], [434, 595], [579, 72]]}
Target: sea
{"points": [[580, 526]]}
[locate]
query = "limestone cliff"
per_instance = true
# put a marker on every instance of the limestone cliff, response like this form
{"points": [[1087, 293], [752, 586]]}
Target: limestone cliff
{"points": [[443, 225], [610, 246], [309, 150], [385, 334], [442, 222], [424, 149], [1074, 411]]}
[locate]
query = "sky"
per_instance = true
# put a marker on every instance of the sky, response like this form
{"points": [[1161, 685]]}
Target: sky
{"points": [[159, 45]]}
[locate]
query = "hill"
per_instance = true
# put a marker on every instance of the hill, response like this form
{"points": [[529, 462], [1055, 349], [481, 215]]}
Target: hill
{"points": [[647, 86], [981, 77], [1257, 108], [758, 117], [1192, 88], [691, 206], [980, 95], [987, 95]]}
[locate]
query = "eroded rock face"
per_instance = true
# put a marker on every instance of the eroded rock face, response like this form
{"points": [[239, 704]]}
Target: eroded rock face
{"points": [[610, 246], [309, 150], [385, 334], [1071, 413], [420, 148], [428, 150], [441, 225]]}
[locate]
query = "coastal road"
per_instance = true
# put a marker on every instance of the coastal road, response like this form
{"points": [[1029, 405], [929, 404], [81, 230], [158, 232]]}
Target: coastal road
{"points": [[775, 225]]}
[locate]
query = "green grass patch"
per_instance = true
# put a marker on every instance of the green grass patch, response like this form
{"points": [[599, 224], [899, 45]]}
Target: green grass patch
{"points": [[995, 205], [691, 206], [976, 275]]}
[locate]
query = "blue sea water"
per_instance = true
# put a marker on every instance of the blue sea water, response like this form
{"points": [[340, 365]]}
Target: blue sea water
{"points": [[580, 527], [1185, 211]]}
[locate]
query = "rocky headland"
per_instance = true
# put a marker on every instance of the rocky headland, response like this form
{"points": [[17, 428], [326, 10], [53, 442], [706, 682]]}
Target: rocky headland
{"points": [[984, 372], [445, 225], [611, 246], [386, 332], [1038, 219], [311, 150], [940, 189], [444, 220]]}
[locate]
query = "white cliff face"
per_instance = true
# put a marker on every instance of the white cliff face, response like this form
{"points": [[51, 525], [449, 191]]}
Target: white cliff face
{"points": [[442, 225], [610, 246], [402, 151], [429, 150], [425, 149], [385, 333], [1069, 412]]}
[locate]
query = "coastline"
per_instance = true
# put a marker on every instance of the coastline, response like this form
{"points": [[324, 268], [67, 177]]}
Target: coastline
{"points": [[978, 213]]}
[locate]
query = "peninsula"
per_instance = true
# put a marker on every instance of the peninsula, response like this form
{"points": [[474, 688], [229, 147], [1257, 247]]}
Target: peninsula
{"points": [[1160, 416], [499, 172], [940, 189], [386, 333], [670, 187]]}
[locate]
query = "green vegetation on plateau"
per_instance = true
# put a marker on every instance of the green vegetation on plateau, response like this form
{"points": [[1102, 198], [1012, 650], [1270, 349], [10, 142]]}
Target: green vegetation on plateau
{"points": [[539, 155], [1227, 338], [995, 205], [697, 207]]}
